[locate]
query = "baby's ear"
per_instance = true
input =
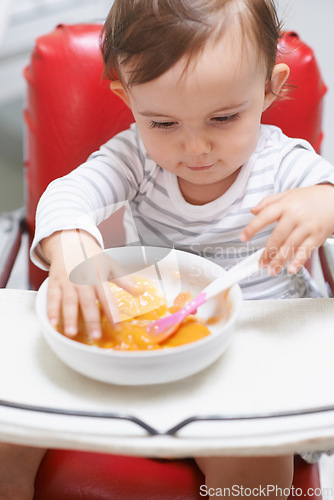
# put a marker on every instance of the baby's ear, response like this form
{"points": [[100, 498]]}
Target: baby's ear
{"points": [[273, 88], [118, 88]]}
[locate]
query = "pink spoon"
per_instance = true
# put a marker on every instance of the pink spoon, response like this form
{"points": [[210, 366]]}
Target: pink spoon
{"points": [[163, 328]]}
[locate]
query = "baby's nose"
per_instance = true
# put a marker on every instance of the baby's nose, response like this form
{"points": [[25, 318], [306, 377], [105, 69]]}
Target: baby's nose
{"points": [[197, 144]]}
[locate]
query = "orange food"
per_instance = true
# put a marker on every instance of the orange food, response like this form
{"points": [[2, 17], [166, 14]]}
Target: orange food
{"points": [[136, 314]]}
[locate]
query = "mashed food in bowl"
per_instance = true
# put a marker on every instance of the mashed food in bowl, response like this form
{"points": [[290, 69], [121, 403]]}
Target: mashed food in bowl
{"points": [[136, 314]]}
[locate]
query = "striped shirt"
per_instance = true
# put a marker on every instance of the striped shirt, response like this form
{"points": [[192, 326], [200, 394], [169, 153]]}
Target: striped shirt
{"points": [[122, 173]]}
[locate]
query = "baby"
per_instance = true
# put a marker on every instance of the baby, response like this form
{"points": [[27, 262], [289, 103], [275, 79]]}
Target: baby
{"points": [[199, 171]]}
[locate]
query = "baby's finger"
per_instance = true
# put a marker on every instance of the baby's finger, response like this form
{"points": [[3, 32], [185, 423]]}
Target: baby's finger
{"points": [[282, 236], [128, 284], [287, 250], [90, 311], [70, 305], [108, 302], [302, 255], [107, 269], [268, 200], [266, 217], [53, 302]]}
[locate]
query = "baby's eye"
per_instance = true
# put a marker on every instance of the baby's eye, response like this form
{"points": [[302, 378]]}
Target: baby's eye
{"points": [[161, 124], [224, 119]]}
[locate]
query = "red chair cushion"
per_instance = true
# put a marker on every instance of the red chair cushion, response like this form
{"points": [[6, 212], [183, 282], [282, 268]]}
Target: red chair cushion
{"points": [[70, 111], [74, 475]]}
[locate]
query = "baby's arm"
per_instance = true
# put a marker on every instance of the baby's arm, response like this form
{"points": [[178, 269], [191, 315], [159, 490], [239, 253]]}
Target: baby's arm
{"points": [[84, 198], [305, 219], [64, 250]]}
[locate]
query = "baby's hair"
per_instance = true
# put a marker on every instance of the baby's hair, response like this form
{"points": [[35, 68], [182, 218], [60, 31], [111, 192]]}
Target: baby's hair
{"points": [[150, 36]]}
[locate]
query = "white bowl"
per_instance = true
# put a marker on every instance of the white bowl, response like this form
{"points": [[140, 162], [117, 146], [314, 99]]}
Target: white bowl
{"points": [[176, 271]]}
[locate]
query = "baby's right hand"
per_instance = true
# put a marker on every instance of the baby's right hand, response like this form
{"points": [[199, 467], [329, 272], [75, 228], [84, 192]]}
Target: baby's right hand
{"points": [[64, 250]]}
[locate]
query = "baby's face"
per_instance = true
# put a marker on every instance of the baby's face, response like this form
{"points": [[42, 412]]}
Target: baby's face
{"points": [[203, 125]]}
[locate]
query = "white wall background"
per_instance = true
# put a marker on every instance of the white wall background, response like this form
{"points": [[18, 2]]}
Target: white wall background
{"points": [[313, 21], [22, 21]]}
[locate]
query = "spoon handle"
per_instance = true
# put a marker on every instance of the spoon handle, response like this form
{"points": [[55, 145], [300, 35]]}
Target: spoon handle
{"points": [[239, 272]]}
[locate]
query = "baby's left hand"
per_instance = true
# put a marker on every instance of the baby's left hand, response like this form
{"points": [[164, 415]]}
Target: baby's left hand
{"points": [[305, 219]]}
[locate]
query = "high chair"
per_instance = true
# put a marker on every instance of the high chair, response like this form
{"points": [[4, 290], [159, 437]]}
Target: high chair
{"points": [[69, 113]]}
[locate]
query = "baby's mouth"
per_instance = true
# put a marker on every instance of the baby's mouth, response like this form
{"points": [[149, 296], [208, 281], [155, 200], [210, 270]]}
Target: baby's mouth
{"points": [[199, 168]]}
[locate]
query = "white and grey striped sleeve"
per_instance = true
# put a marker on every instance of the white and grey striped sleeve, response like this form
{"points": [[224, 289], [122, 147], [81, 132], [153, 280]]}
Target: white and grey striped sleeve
{"points": [[90, 193], [303, 167]]}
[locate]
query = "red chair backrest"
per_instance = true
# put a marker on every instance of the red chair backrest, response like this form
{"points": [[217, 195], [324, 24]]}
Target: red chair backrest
{"points": [[70, 110], [300, 114]]}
